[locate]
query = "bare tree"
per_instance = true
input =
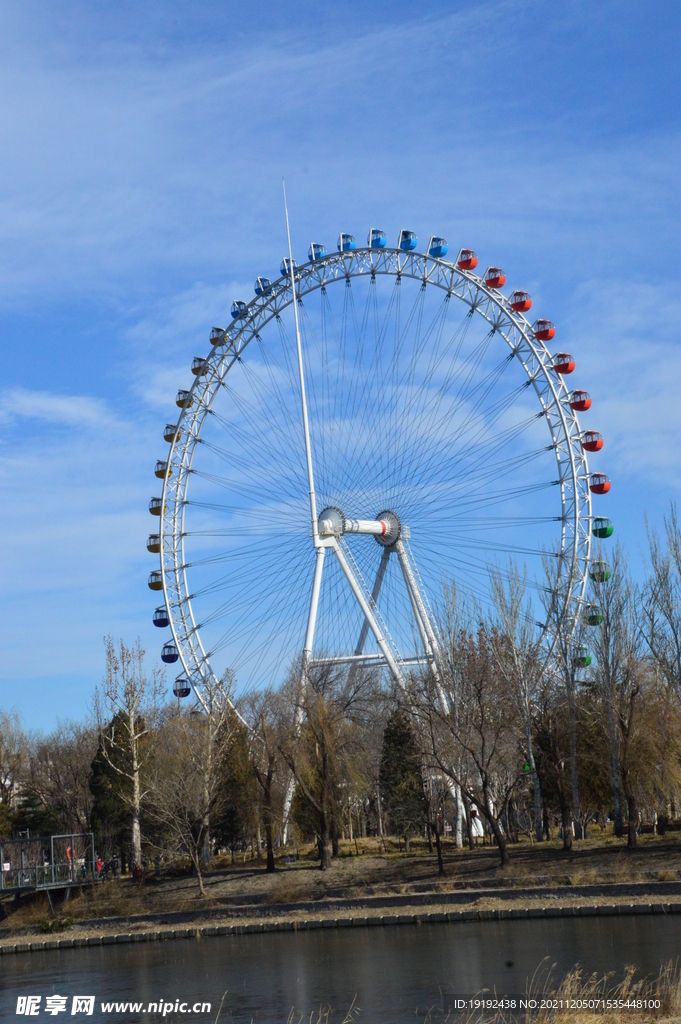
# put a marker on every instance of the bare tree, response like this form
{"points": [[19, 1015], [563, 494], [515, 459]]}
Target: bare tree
{"points": [[661, 607], [515, 645], [129, 699], [329, 750], [59, 767], [471, 733], [270, 719], [13, 753], [187, 782]]}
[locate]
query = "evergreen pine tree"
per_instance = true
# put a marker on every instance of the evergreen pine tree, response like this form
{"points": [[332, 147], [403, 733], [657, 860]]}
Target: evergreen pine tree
{"points": [[402, 791]]}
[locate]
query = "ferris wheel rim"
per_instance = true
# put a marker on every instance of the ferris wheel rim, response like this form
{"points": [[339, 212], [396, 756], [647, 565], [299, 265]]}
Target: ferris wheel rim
{"points": [[318, 274]]}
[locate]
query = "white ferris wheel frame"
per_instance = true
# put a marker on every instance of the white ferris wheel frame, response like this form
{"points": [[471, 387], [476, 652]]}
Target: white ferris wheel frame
{"points": [[227, 348]]}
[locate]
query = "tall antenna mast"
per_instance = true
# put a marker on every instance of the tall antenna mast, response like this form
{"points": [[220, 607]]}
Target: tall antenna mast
{"points": [[306, 425]]}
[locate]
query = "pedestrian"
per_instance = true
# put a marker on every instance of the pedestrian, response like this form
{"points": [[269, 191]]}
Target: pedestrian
{"points": [[99, 864]]}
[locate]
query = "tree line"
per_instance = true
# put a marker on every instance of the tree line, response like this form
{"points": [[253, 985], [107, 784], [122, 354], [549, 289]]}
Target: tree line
{"points": [[501, 739]]}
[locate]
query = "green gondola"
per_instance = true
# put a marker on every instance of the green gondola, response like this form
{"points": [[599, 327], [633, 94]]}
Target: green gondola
{"points": [[593, 615], [602, 528], [599, 571], [582, 658]]}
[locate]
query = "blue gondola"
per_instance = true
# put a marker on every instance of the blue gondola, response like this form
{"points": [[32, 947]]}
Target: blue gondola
{"points": [[376, 239], [407, 240], [316, 251], [285, 267], [346, 243], [262, 285], [181, 687], [169, 653], [161, 618], [238, 308], [437, 247]]}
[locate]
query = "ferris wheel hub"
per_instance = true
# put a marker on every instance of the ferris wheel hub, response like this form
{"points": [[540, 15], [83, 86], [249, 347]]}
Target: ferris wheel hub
{"points": [[386, 527]]}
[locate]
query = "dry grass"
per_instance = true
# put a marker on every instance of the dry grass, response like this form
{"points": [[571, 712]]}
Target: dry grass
{"points": [[372, 873]]}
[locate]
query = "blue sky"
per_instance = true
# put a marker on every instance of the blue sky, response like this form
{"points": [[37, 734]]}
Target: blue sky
{"points": [[143, 148]]}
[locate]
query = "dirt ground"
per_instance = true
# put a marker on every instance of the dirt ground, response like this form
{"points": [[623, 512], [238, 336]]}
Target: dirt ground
{"points": [[360, 871]]}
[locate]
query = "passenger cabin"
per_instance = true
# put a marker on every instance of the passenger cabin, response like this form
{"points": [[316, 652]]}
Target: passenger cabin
{"points": [[183, 399], [543, 330], [169, 654], [407, 240], [599, 483], [602, 528], [199, 366], [238, 309], [161, 617], [437, 246], [155, 506], [346, 242], [376, 239], [317, 251], [181, 687], [467, 260], [582, 658], [563, 363], [217, 335], [593, 615], [154, 543], [286, 265], [495, 277], [171, 433], [155, 580], [160, 469], [592, 441], [599, 571], [580, 401], [262, 285], [520, 301]]}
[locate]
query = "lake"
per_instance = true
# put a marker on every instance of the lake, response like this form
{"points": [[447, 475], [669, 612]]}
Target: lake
{"points": [[395, 972]]}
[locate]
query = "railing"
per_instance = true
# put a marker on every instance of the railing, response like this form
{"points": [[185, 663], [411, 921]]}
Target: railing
{"points": [[47, 861]]}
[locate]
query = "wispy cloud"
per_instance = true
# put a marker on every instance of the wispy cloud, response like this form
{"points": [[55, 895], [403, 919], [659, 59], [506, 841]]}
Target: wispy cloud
{"points": [[56, 410]]}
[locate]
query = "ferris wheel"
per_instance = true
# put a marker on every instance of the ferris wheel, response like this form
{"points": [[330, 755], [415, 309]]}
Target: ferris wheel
{"points": [[340, 461]]}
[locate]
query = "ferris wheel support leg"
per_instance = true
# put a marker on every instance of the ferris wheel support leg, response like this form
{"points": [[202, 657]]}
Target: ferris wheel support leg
{"points": [[307, 654], [369, 615], [418, 606], [382, 566]]}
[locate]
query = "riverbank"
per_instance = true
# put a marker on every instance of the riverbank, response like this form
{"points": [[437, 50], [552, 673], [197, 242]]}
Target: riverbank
{"points": [[522, 905], [363, 886]]}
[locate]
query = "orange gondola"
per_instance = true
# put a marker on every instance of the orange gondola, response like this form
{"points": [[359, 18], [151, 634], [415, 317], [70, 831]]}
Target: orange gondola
{"points": [[495, 277], [467, 260], [592, 441], [580, 401], [563, 363], [520, 301], [599, 483], [543, 330]]}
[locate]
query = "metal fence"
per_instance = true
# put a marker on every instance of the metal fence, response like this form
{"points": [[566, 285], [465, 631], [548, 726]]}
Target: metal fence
{"points": [[47, 861]]}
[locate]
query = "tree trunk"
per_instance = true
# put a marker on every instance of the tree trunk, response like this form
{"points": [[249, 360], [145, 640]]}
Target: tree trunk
{"points": [[324, 845], [574, 780], [538, 824], [438, 844], [406, 843], [459, 818], [618, 827], [335, 849], [429, 833], [496, 829], [136, 794], [469, 822], [258, 840], [565, 819], [632, 824]]}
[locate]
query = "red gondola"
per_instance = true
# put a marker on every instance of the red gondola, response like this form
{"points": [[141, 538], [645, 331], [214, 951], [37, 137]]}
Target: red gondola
{"points": [[599, 483], [467, 260], [495, 277], [580, 401], [592, 441], [520, 301], [544, 330], [563, 363]]}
